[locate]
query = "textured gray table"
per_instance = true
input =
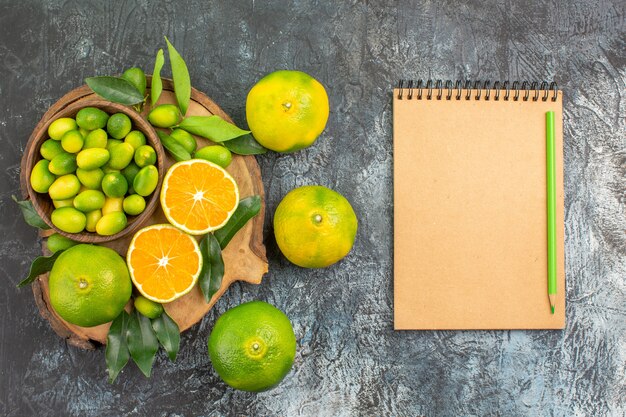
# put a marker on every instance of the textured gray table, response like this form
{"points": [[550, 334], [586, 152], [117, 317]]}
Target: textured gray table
{"points": [[349, 360]]}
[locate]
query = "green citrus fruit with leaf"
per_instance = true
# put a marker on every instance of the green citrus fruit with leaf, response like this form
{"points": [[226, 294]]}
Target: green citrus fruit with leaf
{"points": [[147, 307], [287, 110], [314, 226], [252, 346], [89, 285]]}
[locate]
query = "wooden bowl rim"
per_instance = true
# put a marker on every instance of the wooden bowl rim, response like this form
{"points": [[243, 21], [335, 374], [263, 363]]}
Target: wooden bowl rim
{"points": [[32, 156]]}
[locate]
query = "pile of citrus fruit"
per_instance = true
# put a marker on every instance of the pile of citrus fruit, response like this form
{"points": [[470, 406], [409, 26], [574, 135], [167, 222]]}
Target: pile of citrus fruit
{"points": [[97, 170]]}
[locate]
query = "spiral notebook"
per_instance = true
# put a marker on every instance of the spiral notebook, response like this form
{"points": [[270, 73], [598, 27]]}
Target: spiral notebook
{"points": [[470, 234]]}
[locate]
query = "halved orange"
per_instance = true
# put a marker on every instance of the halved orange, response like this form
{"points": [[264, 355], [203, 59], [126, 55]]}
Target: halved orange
{"points": [[198, 196], [164, 262]]}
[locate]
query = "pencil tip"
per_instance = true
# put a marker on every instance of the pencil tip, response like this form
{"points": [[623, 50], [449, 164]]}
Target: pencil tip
{"points": [[552, 308]]}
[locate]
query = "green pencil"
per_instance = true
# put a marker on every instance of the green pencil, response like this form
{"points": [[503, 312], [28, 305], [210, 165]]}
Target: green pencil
{"points": [[551, 208]]}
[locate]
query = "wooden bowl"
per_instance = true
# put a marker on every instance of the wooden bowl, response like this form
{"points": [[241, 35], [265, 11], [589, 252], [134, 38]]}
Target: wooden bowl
{"points": [[43, 203]]}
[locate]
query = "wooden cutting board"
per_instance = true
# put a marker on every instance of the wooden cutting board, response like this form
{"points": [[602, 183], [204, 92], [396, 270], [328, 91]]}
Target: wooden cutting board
{"points": [[244, 257]]}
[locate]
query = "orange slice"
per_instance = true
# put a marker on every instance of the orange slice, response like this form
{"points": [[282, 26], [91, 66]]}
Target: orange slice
{"points": [[164, 262], [198, 196]]}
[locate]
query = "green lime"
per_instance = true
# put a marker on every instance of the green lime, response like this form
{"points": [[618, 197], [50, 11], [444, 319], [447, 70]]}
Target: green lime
{"points": [[185, 139], [91, 118], [41, 178], [89, 200], [96, 139], [111, 223], [57, 242], [72, 141], [130, 172], [64, 187], [119, 125], [134, 204], [114, 185], [135, 138], [145, 155], [252, 346], [63, 163], [68, 219], [92, 158], [91, 179], [50, 148], [217, 154], [147, 307], [89, 285], [137, 78], [83, 132], [92, 220], [146, 180], [121, 155], [60, 126], [164, 115]]}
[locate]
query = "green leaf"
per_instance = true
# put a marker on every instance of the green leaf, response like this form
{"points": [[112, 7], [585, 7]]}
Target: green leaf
{"points": [[40, 265], [117, 353], [168, 333], [156, 86], [212, 266], [247, 209], [212, 127], [142, 342], [245, 145], [173, 147], [30, 215], [117, 90], [180, 74]]}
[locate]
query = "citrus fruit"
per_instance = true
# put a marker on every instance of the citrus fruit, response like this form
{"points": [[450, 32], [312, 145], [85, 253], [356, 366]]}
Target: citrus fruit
{"points": [[145, 155], [121, 155], [60, 126], [185, 139], [68, 219], [287, 110], [134, 204], [119, 125], [89, 285], [57, 242], [219, 155], [146, 180], [91, 118], [137, 78], [252, 346], [63, 163], [89, 200], [135, 138], [111, 223], [96, 139], [198, 196], [147, 307], [164, 115], [51, 148], [64, 187], [164, 262], [91, 220], [72, 141], [114, 184], [41, 178], [314, 226]]}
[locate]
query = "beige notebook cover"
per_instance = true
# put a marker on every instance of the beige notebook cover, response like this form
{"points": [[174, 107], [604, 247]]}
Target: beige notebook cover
{"points": [[470, 232]]}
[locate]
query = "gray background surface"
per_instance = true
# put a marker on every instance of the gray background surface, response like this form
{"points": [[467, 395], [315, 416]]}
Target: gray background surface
{"points": [[349, 360]]}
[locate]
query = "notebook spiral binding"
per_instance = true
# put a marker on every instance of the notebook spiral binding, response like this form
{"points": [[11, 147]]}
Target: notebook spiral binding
{"points": [[475, 89]]}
